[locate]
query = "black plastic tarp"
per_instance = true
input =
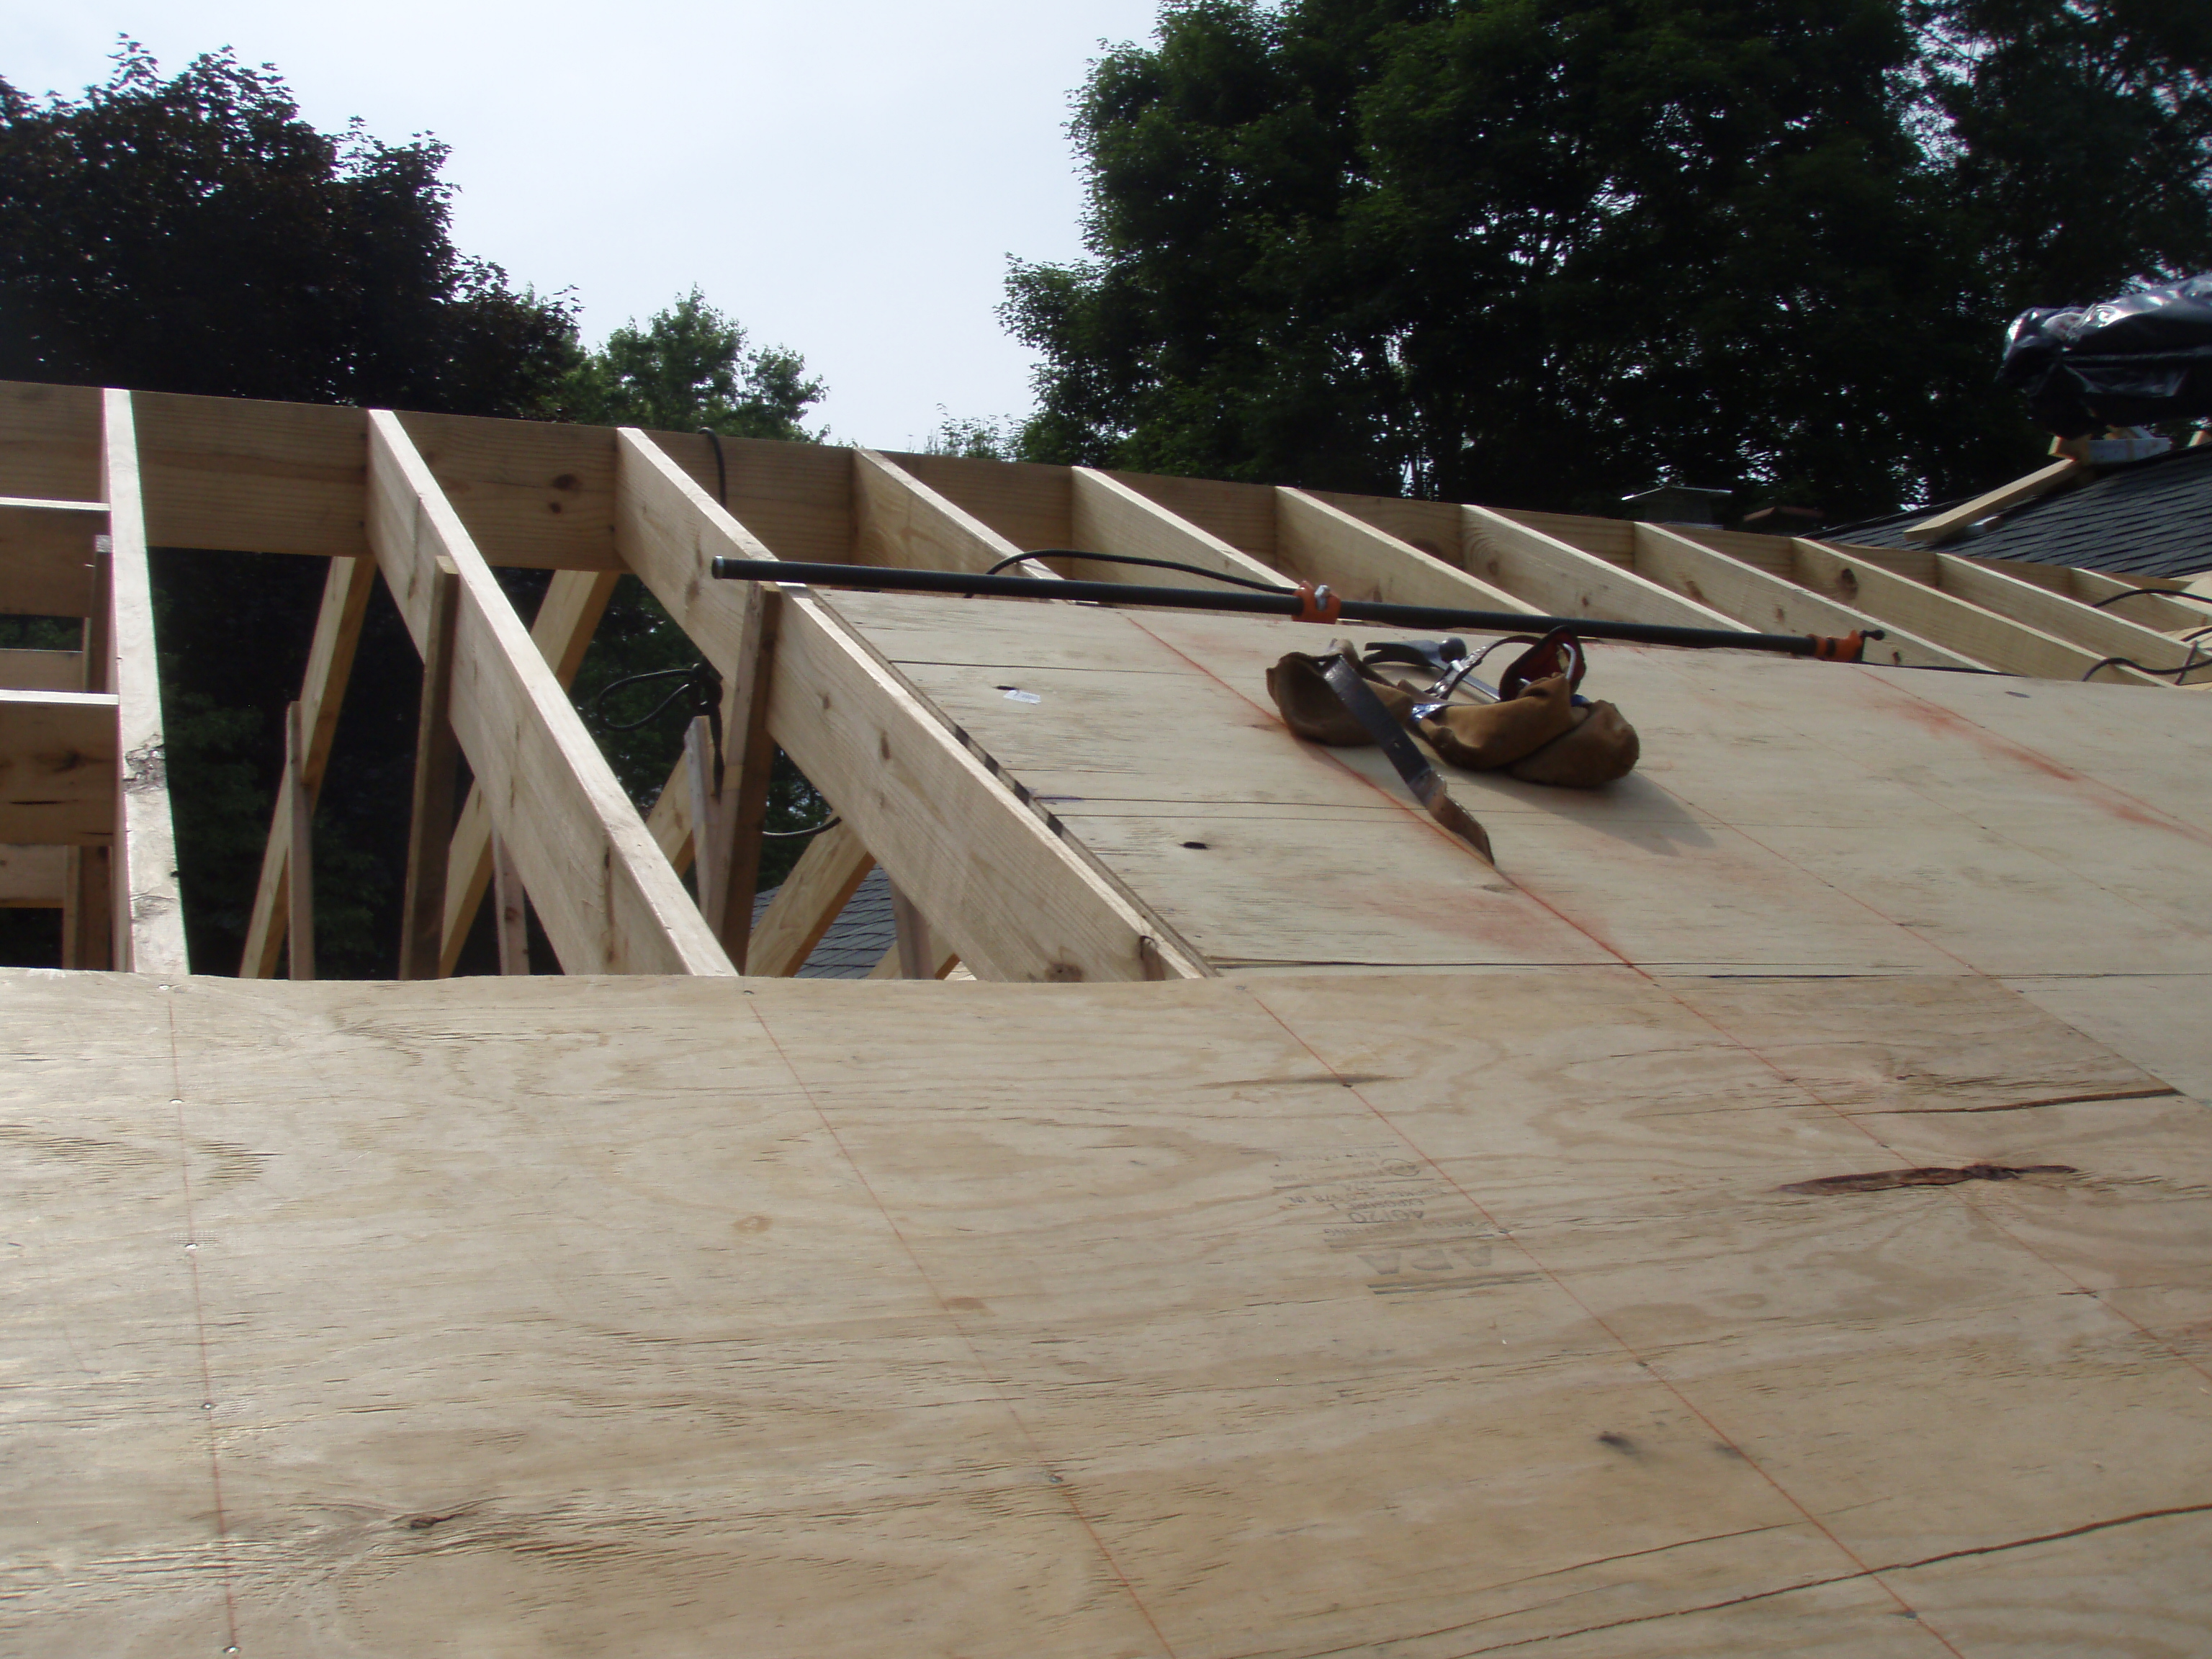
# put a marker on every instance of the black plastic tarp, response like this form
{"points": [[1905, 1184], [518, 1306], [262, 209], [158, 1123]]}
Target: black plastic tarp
{"points": [[2143, 357]]}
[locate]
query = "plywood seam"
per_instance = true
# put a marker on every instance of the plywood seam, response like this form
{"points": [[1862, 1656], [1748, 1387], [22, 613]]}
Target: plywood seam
{"points": [[984, 1371], [1406, 808], [191, 1247]]}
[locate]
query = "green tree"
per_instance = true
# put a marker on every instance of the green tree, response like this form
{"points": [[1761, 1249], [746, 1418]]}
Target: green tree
{"points": [[689, 370], [1548, 254], [195, 234], [192, 233], [974, 439], [2075, 136]]}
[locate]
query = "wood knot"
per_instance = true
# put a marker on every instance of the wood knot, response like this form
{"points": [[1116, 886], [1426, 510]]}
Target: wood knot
{"points": [[1879, 1180]]}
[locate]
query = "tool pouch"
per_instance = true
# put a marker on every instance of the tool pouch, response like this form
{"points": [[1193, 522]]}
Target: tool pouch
{"points": [[1542, 735], [1316, 714], [1482, 736], [1599, 748]]}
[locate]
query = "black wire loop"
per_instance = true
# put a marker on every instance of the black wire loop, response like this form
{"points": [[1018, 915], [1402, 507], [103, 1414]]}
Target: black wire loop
{"points": [[2154, 593], [703, 686], [1131, 558], [721, 469], [700, 691], [2194, 660]]}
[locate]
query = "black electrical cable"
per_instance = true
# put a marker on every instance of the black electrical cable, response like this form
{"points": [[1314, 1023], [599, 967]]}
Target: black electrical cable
{"points": [[705, 687], [701, 685], [2154, 593], [721, 471], [2188, 664], [1131, 558], [692, 676], [1292, 604]]}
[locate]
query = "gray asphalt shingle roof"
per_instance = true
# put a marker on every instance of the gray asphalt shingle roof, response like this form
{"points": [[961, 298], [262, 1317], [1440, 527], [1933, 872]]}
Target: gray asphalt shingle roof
{"points": [[862, 935], [2148, 518]]}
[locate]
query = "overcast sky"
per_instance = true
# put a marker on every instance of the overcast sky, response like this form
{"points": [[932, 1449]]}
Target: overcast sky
{"points": [[845, 177]]}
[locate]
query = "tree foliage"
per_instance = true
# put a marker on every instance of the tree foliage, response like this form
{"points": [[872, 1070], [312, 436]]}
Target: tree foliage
{"points": [[193, 234], [1547, 254], [689, 370], [196, 234]]}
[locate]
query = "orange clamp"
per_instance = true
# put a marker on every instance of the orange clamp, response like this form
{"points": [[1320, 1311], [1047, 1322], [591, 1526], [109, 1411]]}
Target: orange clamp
{"points": [[1850, 648], [1318, 604]]}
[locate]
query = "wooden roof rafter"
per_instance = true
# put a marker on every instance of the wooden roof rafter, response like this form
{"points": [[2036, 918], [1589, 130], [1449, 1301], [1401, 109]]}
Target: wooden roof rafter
{"points": [[1015, 901], [608, 901]]}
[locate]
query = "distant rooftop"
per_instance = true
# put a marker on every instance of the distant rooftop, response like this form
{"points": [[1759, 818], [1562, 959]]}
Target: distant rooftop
{"points": [[2150, 517], [861, 937], [1677, 504]]}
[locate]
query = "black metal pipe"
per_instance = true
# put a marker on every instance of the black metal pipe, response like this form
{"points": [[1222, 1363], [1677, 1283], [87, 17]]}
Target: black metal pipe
{"points": [[1289, 602]]}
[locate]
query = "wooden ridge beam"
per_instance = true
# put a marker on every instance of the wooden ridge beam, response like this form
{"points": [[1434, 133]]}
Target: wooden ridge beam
{"points": [[2010, 647], [1560, 580], [1012, 898], [1316, 541], [322, 692], [1025, 503], [1772, 605], [149, 917], [49, 441], [567, 618], [1109, 517], [608, 902], [289, 477], [1612, 540]]}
